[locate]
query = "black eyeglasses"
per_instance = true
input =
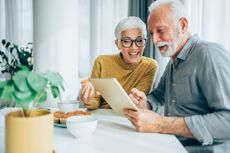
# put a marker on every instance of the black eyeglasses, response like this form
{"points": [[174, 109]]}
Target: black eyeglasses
{"points": [[127, 42]]}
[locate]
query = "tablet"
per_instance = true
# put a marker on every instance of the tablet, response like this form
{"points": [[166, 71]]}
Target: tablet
{"points": [[114, 94]]}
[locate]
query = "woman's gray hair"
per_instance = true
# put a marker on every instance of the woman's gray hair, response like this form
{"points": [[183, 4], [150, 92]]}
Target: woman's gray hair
{"points": [[176, 7], [130, 22]]}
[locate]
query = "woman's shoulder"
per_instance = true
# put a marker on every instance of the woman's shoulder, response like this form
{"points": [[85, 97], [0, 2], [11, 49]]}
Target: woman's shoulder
{"points": [[149, 61], [106, 57]]}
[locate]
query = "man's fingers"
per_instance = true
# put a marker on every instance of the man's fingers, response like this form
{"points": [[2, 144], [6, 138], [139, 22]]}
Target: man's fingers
{"points": [[137, 93], [134, 99], [130, 113]]}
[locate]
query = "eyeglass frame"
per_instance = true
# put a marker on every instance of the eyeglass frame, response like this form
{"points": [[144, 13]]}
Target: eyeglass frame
{"points": [[133, 41]]}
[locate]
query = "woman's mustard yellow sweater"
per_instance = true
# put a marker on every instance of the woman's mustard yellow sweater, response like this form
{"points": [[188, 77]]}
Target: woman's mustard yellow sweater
{"points": [[140, 75]]}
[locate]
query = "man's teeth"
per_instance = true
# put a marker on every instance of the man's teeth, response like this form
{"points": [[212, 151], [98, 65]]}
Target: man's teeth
{"points": [[161, 45]]}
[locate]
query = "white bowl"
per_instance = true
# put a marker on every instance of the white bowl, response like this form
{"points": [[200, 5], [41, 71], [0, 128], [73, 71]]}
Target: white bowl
{"points": [[68, 106], [81, 126]]}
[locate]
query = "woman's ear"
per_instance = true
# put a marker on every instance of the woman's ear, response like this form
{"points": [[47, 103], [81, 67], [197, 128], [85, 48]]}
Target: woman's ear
{"points": [[117, 44]]}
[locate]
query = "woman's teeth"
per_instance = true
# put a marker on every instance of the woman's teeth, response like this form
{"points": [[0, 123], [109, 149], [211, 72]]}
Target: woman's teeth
{"points": [[131, 53]]}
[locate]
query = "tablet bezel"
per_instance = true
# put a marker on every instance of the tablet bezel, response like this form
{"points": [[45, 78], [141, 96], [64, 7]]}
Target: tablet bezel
{"points": [[114, 94]]}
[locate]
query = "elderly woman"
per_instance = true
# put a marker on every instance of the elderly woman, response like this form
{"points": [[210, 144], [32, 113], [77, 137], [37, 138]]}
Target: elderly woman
{"points": [[129, 67]]}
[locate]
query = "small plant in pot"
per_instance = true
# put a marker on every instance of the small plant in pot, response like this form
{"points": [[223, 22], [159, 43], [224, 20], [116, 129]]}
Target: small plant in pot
{"points": [[30, 130], [28, 88]]}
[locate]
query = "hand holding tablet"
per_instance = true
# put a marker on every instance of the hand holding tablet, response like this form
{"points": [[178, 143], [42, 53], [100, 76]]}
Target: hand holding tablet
{"points": [[114, 94]]}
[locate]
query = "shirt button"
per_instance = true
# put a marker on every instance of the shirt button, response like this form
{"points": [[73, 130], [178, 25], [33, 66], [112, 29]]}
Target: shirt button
{"points": [[173, 101], [174, 84], [169, 114]]}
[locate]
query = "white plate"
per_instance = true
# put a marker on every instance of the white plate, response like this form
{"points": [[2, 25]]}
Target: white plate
{"points": [[60, 125]]}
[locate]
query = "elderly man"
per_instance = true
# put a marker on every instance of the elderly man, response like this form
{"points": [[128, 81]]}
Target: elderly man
{"points": [[194, 89]]}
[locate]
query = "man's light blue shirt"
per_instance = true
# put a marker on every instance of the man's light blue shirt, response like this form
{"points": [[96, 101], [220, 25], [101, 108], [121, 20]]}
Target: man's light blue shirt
{"points": [[197, 86]]}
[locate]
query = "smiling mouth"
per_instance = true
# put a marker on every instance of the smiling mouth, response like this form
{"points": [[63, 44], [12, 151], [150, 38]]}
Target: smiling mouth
{"points": [[163, 48], [133, 53]]}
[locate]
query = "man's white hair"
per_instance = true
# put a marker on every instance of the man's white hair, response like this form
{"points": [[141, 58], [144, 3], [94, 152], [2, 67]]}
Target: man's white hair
{"points": [[128, 23], [176, 7]]}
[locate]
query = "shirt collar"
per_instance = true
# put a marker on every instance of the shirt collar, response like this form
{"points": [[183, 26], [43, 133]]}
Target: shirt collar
{"points": [[187, 47]]}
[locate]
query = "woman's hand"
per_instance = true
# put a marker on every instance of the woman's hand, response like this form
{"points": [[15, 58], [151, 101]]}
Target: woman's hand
{"points": [[87, 91]]}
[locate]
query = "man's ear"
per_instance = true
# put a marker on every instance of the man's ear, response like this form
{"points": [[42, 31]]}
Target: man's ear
{"points": [[183, 24], [117, 44]]}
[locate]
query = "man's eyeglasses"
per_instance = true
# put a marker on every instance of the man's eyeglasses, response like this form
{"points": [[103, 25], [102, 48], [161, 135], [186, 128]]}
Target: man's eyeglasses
{"points": [[127, 42]]}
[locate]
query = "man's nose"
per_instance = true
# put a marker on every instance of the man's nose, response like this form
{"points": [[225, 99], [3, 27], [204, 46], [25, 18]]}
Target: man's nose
{"points": [[155, 38]]}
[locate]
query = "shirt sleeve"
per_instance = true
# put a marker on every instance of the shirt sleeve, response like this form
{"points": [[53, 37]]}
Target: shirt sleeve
{"points": [[213, 79]]}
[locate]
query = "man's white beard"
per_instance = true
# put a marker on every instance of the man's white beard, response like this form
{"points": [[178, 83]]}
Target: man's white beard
{"points": [[172, 45]]}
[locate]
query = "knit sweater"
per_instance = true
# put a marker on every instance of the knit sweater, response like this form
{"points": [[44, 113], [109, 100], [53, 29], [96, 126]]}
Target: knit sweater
{"points": [[139, 75]]}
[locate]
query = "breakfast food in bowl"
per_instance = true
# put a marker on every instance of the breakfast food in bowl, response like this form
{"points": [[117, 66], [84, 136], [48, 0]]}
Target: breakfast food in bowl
{"points": [[60, 117]]}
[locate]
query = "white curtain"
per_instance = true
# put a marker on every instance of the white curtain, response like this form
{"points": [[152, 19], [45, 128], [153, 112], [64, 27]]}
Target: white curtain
{"points": [[73, 53], [97, 20], [210, 19], [16, 21], [97, 23]]}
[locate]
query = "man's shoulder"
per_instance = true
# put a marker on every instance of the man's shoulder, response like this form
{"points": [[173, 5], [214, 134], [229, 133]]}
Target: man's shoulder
{"points": [[204, 48], [209, 52]]}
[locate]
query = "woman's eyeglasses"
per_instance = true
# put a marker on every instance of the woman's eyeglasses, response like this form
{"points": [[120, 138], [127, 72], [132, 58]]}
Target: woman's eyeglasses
{"points": [[127, 42]]}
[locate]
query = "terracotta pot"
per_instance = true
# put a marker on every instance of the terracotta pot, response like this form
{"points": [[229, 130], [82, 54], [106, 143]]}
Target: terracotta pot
{"points": [[29, 135]]}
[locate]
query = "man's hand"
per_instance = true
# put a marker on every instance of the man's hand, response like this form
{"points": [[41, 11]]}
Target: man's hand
{"points": [[144, 120], [87, 91], [139, 98], [148, 121]]}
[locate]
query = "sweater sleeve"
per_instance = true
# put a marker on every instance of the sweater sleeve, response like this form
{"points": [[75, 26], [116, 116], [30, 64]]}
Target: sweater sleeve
{"points": [[147, 81], [96, 73]]}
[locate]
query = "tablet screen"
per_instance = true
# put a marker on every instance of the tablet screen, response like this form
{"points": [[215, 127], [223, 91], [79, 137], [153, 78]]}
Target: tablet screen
{"points": [[114, 94]]}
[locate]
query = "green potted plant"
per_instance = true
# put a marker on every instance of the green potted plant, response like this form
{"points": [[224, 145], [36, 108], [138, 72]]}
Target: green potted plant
{"points": [[30, 130]]}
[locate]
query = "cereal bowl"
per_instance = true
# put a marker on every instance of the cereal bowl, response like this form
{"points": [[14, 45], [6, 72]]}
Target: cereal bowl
{"points": [[81, 126]]}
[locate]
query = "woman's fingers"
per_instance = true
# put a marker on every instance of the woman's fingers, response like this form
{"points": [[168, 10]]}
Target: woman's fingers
{"points": [[87, 91]]}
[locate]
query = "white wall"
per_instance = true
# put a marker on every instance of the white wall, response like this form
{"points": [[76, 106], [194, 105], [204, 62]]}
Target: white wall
{"points": [[55, 40]]}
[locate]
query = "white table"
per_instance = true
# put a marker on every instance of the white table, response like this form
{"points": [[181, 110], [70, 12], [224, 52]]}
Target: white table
{"points": [[114, 134]]}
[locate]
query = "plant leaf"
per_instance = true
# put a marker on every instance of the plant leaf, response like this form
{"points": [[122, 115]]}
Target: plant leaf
{"points": [[20, 80], [54, 78], [23, 97], [41, 96], [37, 82], [55, 92], [3, 41], [7, 44], [6, 91]]}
